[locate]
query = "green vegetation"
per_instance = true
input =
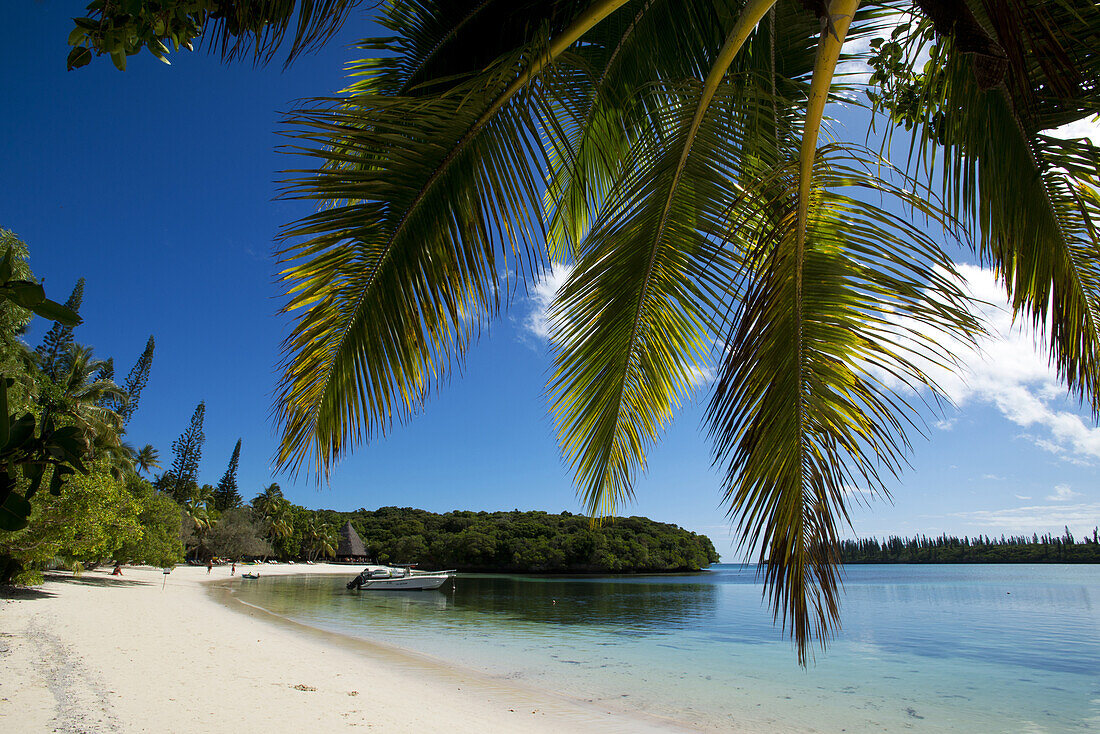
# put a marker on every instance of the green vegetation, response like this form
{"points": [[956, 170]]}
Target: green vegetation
{"points": [[669, 152], [949, 549], [526, 542], [62, 429]]}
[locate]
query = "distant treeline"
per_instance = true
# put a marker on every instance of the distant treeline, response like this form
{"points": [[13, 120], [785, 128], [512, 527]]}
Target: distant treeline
{"points": [[529, 542], [982, 549]]}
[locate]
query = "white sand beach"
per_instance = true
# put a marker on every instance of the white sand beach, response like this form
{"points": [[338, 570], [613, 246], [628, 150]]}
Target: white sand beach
{"points": [[98, 654]]}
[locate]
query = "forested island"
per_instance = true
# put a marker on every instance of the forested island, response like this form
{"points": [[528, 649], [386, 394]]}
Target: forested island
{"points": [[527, 542], [981, 549]]}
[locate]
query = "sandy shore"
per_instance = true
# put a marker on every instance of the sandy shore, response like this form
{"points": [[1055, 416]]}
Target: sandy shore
{"points": [[100, 654]]}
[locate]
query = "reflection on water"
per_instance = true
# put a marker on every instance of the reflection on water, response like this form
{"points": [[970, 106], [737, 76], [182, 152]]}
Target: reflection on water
{"points": [[928, 648]]}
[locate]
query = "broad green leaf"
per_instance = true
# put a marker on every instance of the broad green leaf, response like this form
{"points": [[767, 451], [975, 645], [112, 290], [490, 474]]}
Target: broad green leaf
{"points": [[54, 311]]}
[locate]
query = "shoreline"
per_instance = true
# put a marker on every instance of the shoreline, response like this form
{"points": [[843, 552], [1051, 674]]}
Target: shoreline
{"points": [[97, 653]]}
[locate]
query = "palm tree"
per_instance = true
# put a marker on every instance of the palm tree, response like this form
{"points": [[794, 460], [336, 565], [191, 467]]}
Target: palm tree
{"points": [[669, 152], [84, 395], [266, 501], [147, 459]]}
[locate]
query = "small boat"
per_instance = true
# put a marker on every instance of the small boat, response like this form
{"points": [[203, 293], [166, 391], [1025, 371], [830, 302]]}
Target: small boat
{"points": [[250, 575], [403, 578]]}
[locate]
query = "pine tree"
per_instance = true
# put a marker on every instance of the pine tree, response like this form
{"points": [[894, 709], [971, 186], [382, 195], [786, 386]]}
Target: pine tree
{"points": [[51, 352], [135, 381], [226, 496], [188, 452]]}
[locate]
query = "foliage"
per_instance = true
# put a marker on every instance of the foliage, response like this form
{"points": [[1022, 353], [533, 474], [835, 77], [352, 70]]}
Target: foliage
{"points": [[520, 542], [237, 535], [121, 28], [94, 517], [33, 445], [58, 341], [226, 495], [950, 549], [188, 453], [136, 381], [669, 152], [147, 459], [160, 543]]}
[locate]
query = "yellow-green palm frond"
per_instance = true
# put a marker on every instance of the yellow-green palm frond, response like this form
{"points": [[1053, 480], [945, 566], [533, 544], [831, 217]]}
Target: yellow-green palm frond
{"points": [[1030, 199], [807, 404], [425, 196]]}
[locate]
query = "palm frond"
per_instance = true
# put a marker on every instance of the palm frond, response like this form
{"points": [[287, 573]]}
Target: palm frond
{"points": [[1030, 198], [260, 27], [806, 406], [632, 328], [392, 280]]}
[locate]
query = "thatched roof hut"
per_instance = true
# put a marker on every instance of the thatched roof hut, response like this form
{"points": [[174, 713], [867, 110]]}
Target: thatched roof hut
{"points": [[351, 545]]}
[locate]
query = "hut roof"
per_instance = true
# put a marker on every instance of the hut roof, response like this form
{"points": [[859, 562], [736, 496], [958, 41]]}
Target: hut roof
{"points": [[350, 543]]}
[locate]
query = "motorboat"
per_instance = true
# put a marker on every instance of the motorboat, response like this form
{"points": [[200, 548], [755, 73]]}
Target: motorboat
{"points": [[402, 578]]}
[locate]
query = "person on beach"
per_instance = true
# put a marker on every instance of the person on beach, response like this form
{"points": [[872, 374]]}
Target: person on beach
{"points": [[233, 570], [209, 565]]}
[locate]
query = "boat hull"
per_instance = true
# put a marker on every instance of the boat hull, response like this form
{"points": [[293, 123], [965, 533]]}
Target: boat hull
{"points": [[382, 578], [423, 582]]}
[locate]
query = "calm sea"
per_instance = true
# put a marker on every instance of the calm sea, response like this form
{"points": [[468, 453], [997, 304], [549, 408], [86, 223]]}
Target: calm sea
{"points": [[986, 648]]}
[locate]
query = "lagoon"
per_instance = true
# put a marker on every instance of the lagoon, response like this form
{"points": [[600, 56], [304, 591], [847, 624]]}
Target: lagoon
{"points": [[923, 648]]}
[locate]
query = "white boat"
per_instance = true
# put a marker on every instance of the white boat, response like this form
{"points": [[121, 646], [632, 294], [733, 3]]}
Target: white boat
{"points": [[399, 578]]}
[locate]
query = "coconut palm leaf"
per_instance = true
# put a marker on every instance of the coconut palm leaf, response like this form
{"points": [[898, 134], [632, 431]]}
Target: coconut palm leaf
{"points": [[1030, 198], [392, 280], [260, 27], [806, 404]]}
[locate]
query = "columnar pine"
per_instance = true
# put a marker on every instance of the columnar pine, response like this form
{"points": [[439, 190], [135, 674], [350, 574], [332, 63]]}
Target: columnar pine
{"points": [[135, 381], [188, 452], [226, 495], [51, 352]]}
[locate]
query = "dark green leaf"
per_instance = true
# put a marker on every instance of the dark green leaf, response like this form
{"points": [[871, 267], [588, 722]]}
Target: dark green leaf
{"points": [[20, 431], [54, 311], [78, 57], [25, 293], [5, 426], [5, 267], [14, 512], [33, 473], [57, 481]]}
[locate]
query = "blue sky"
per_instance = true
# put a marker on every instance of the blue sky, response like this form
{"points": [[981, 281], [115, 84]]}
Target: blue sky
{"points": [[158, 186]]}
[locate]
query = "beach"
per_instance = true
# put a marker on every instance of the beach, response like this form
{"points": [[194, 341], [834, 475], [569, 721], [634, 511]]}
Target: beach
{"points": [[149, 653]]}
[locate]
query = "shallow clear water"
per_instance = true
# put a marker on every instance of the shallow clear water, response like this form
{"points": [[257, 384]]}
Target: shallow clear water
{"points": [[986, 648]]}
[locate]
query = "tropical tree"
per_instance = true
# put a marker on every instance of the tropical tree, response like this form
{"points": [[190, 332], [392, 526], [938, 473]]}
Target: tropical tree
{"points": [[318, 539], [83, 396], [136, 380], [668, 152], [266, 501], [59, 339], [147, 459], [226, 495], [183, 475]]}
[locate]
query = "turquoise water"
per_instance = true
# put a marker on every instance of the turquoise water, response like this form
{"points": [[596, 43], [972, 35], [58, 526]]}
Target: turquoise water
{"points": [[924, 648]]}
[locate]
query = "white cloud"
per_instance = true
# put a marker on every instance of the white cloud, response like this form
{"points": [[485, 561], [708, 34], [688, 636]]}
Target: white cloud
{"points": [[946, 424], [700, 376], [1086, 127], [1080, 518], [993, 477], [1022, 496], [542, 295], [1010, 370], [1062, 493]]}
